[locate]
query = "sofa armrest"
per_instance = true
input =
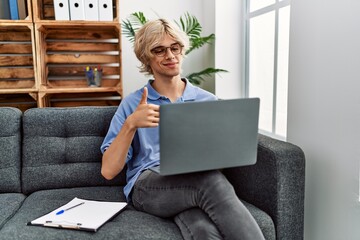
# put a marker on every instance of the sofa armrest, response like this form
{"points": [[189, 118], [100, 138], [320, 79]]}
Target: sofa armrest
{"points": [[275, 184]]}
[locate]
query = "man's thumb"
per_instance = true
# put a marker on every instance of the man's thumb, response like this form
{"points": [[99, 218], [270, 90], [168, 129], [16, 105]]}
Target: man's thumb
{"points": [[144, 96]]}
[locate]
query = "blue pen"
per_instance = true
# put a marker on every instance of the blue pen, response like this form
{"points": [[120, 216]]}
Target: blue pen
{"points": [[62, 211]]}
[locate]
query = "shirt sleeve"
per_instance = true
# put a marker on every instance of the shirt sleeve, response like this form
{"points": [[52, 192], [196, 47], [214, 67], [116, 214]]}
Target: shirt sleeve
{"points": [[123, 111]]}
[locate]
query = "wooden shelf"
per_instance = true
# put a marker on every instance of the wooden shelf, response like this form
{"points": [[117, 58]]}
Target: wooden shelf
{"points": [[42, 57], [79, 99], [22, 101], [17, 56], [15, 91], [64, 51], [28, 19], [79, 90], [44, 11]]}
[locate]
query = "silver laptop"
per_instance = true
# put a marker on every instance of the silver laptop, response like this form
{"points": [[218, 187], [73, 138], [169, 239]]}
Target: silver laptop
{"points": [[200, 136]]}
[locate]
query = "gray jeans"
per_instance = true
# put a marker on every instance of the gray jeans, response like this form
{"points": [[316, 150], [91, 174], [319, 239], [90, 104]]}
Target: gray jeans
{"points": [[204, 205]]}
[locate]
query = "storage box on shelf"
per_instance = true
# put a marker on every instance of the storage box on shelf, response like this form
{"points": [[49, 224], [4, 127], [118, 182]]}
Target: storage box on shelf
{"points": [[65, 50], [17, 59]]}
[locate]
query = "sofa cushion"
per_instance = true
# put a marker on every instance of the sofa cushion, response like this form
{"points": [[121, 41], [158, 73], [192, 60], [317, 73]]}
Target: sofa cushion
{"points": [[61, 147], [10, 151], [129, 224], [9, 204], [264, 221]]}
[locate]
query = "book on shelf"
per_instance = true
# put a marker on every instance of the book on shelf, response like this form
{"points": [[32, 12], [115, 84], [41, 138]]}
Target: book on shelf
{"points": [[61, 8], [22, 6], [106, 10], [91, 10], [14, 12], [4, 9], [77, 9]]}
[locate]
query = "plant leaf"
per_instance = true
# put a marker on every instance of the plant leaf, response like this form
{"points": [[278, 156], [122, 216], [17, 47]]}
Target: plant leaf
{"points": [[199, 42], [139, 17], [132, 24], [190, 25], [197, 77], [128, 30]]}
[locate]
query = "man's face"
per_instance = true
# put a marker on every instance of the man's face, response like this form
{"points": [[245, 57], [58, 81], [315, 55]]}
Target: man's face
{"points": [[167, 59]]}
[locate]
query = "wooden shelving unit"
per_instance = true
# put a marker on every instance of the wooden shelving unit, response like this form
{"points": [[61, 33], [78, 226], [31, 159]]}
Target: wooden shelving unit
{"points": [[46, 58], [18, 62]]}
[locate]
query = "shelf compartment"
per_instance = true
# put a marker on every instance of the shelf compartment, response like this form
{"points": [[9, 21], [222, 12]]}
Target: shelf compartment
{"points": [[44, 11], [65, 51], [82, 99], [23, 101], [17, 56], [28, 18]]}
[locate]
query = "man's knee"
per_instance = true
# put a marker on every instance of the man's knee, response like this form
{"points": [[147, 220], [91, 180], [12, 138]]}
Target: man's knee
{"points": [[195, 224]]}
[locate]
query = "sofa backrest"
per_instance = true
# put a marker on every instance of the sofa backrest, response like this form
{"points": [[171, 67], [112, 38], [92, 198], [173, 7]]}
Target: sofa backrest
{"points": [[10, 149], [61, 147]]}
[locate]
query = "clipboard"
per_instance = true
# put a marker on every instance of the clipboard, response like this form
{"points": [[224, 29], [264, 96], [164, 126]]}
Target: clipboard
{"points": [[80, 214]]}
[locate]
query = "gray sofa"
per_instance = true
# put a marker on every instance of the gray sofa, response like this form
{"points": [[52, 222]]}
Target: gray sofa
{"points": [[49, 156]]}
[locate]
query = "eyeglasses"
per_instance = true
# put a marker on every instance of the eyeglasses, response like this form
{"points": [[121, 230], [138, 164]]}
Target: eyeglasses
{"points": [[161, 51]]}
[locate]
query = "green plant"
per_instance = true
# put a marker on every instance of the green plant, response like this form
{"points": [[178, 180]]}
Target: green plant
{"points": [[190, 25]]}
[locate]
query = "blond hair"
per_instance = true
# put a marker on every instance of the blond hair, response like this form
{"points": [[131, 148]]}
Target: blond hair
{"points": [[150, 35]]}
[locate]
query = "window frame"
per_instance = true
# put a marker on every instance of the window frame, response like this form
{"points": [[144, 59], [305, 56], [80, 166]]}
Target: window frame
{"points": [[247, 17]]}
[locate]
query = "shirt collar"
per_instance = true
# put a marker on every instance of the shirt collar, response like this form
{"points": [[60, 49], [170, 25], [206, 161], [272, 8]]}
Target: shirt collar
{"points": [[189, 93]]}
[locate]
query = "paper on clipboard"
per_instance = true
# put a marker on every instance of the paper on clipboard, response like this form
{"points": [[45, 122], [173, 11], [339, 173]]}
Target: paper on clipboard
{"points": [[89, 216]]}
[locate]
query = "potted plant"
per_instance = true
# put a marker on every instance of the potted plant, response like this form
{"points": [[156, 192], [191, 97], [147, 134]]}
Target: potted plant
{"points": [[190, 25]]}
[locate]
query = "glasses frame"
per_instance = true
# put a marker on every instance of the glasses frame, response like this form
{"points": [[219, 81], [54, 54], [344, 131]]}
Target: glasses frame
{"points": [[164, 50]]}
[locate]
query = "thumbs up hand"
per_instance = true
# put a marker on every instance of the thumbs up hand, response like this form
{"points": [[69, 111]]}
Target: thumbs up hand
{"points": [[146, 115]]}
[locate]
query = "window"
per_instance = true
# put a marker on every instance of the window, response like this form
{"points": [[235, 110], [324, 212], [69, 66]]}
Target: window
{"points": [[267, 54]]}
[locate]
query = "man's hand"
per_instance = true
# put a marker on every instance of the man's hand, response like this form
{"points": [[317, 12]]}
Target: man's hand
{"points": [[146, 115]]}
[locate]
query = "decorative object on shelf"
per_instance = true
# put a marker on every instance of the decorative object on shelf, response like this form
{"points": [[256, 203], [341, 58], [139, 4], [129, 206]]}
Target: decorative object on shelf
{"points": [[98, 76], [190, 25], [89, 76], [93, 76]]}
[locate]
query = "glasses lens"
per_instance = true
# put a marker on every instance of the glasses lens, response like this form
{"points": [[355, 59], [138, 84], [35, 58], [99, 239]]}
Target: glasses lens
{"points": [[161, 51], [175, 48]]}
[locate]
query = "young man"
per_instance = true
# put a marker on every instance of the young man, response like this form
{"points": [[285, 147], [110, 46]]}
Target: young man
{"points": [[204, 205]]}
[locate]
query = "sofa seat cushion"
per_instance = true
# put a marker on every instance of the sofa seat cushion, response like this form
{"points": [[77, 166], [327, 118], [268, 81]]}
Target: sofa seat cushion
{"points": [[129, 224], [9, 204]]}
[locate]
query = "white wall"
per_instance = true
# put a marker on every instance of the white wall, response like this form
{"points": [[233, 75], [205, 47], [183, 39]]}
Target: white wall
{"points": [[228, 49], [195, 61], [324, 113]]}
